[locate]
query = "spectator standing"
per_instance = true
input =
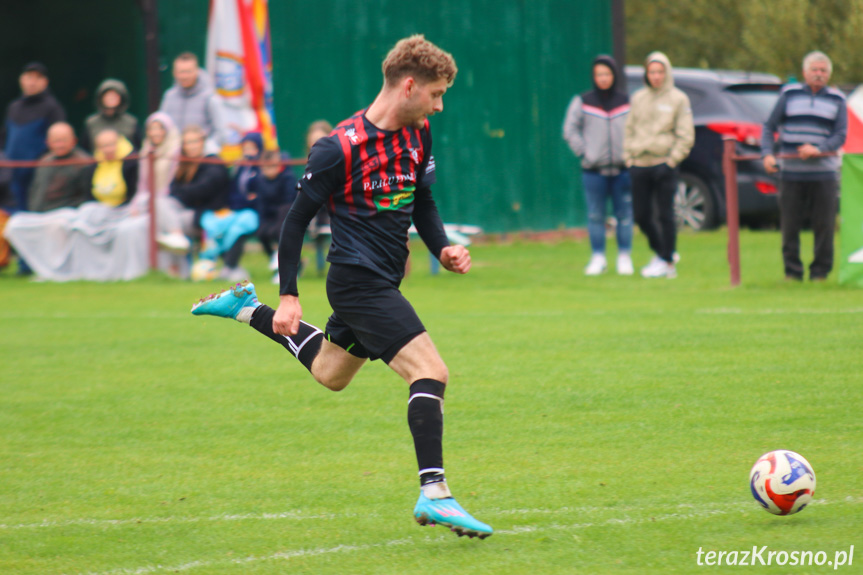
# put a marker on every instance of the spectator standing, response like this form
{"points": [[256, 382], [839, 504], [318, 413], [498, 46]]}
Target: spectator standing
{"points": [[25, 130], [55, 187], [811, 119], [112, 101], [191, 101], [593, 128], [659, 135]]}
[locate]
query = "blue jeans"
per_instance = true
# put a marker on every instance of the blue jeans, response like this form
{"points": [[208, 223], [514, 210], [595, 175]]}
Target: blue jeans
{"points": [[223, 231], [597, 190]]}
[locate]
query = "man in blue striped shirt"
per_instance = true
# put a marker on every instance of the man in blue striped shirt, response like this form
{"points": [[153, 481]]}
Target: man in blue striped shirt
{"points": [[811, 120]]}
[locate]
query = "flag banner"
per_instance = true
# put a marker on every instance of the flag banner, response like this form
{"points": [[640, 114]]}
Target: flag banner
{"points": [[239, 61], [851, 221]]}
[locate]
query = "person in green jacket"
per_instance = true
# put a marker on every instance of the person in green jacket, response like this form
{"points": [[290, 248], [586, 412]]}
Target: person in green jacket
{"points": [[112, 101]]}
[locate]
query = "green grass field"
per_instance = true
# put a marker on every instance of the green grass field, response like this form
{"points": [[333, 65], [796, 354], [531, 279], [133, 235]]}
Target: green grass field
{"points": [[600, 425]]}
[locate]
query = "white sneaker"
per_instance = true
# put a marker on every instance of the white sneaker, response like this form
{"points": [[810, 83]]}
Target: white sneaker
{"points": [[658, 268], [624, 265], [596, 266], [672, 272], [654, 261], [675, 257], [174, 242]]}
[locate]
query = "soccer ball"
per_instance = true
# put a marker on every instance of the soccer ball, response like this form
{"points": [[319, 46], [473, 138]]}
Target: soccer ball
{"points": [[782, 481], [204, 270]]}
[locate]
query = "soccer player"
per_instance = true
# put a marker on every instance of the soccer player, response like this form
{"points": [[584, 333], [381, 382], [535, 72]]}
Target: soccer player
{"points": [[374, 173]]}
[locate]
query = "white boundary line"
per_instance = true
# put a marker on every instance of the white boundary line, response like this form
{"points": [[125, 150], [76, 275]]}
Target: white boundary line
{"points": [[674, 510], [685, 513], [804, 311], [287, 555], [14, 315], [296, 515]]}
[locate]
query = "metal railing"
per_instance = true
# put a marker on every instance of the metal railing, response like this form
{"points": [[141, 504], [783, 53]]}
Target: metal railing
{"points": [[151, 164]]}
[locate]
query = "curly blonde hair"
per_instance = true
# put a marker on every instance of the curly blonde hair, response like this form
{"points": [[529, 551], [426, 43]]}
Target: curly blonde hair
{"points": [[415, 56]]}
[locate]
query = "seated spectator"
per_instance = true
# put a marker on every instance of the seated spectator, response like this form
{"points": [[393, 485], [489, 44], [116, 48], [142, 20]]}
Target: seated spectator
{"points": [[274, 190], [6, 206], [7, 202], [252, 145], [100, 240], [112, 101], [163, 140], [55, 187], [199, 187], [228, 230], [113, 181], [319, 228]]}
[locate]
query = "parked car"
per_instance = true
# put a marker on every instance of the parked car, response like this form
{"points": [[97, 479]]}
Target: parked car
{"points": [[724, 102]]}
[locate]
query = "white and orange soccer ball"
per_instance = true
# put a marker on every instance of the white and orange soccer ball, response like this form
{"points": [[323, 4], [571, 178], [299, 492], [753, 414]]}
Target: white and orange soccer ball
{"points": [[204, 270], [782, 481]]}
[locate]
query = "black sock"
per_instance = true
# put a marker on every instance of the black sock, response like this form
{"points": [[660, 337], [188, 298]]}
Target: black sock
{"points": [[304, 346], [425, 418]]}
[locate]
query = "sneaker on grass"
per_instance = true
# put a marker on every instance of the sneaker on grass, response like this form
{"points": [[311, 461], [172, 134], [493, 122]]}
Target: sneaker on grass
{"points": [[596, 265], [624, 265], [449, 513], [659, 268]]}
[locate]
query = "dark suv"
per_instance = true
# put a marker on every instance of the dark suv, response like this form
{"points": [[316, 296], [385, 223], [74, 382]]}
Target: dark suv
{"points": [[723, 103]]}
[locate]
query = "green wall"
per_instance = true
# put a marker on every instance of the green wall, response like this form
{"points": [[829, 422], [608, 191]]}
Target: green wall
{"points": [[501, 160], [81, 43]]}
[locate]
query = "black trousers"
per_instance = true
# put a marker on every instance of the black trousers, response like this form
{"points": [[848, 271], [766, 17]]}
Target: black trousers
{"points": [[235, 253], [818, 201], [653, 191]]}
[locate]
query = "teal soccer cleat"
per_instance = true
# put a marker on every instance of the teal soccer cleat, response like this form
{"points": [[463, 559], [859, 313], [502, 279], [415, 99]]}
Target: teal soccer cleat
{"points": [[236, 303], [449, 513]]}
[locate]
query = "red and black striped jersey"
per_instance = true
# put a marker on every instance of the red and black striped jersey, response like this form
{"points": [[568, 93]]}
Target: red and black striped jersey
{"points": [[371, 180]]}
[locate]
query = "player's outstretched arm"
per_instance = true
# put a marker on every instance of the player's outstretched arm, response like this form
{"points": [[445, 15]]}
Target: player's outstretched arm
{"points": [[455, 259], [286, 321]]}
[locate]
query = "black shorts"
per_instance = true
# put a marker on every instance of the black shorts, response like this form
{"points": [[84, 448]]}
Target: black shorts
{"points": [[371, 318]]}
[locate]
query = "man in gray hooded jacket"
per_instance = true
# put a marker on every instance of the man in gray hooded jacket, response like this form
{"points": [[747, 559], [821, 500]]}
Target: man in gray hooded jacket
{"points": [[192, 102], [593, 128]]}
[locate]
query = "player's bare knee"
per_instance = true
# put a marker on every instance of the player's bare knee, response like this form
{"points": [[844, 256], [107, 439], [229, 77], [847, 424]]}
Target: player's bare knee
{"points": [[440, 373], [335, 382], [336, 385]]}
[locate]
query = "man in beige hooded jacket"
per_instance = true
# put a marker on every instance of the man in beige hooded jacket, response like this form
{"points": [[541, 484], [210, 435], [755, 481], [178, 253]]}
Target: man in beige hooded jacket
{"points": [[659, 135]]}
